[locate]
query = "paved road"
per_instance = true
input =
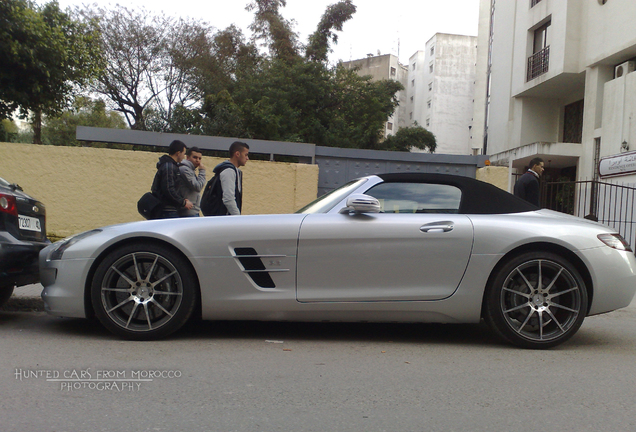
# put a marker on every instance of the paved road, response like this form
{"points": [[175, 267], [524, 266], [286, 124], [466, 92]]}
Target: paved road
{"points": [[248, 376]]}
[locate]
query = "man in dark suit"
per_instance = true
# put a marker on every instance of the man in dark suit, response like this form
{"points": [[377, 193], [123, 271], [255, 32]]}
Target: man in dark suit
{"points": [[527, 187]]}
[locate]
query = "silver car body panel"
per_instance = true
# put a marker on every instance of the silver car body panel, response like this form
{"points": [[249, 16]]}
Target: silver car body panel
{"points": [[347, 267]]}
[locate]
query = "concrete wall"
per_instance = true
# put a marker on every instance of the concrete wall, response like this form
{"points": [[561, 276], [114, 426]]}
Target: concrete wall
{"points": [[84, 188], [497, 176]]}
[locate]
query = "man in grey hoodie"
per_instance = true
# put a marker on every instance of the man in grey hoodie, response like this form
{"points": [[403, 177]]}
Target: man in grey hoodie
{"points": [[192, 183]]}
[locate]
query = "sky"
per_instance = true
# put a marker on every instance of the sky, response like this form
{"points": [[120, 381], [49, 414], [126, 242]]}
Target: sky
{"points": [[399, 27]]}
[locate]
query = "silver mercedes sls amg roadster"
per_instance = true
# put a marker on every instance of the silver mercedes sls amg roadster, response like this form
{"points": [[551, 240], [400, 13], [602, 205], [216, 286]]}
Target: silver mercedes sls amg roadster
{"points": [[382, 248]]}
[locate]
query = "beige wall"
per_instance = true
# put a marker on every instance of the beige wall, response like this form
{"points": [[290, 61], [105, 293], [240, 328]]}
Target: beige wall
{"points": [[84, 188], [494, 175]]}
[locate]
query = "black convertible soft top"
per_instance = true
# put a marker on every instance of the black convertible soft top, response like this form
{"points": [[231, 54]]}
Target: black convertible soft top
{"points": [[477, 197]]}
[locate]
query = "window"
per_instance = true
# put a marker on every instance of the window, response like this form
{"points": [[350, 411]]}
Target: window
{"points": [[389, 126], [412, 83], [428, 122], [428, 104], [430, 68], [430, 86], [410, 116], [414, 66], [534, 2], [538, 62], [411, 99], [417, 197], [393, 71], [432, 50]]}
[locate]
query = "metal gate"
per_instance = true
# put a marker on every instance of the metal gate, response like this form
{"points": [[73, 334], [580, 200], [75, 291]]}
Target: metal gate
{"points": [[610, 203]]}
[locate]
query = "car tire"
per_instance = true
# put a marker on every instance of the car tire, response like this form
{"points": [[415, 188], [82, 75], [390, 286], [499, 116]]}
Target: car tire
{"points": [[536, 300], [144, 291], [5, 293]]}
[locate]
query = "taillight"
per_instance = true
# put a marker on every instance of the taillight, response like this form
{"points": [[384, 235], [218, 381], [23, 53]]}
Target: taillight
{"points": [[8, 205]]}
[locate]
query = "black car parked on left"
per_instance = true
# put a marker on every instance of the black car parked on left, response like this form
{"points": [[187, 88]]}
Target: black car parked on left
{"points": [[22, 236]]}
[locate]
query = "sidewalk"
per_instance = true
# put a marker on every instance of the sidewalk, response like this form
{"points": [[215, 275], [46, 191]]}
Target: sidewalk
{"points": [[28, 291], [25, 298]]}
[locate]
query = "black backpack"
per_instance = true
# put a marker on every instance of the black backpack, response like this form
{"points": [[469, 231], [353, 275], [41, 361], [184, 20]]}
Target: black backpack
{"points": [[212, 196]]}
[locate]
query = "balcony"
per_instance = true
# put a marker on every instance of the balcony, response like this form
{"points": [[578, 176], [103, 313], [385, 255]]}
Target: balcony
{"points": [[538, 63]]}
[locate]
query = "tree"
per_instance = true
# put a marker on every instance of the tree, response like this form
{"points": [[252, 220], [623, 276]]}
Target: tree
{"points": [[45, 54], [61, 129], [332, 20], [270, 26], [148, 62], [408, 137], [291, 95], [8, 130]]}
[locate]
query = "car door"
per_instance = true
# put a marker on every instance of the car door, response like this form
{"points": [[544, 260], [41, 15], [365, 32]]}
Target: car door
{"points": [[416, 249]]}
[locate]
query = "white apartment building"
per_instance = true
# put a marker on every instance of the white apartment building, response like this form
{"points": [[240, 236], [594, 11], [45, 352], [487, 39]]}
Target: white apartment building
{"points": [[555, 81], [385, 67], [440, 91]]}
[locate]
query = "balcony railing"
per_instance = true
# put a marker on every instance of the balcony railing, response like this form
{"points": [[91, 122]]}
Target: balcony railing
{"points": [[538, 63]]}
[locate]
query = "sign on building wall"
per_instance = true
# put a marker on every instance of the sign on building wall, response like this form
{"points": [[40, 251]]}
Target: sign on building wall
{"points": [[617, 165]]}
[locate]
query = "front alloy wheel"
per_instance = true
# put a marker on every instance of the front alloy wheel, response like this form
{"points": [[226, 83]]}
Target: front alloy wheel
{"points": [[143, 292], [537, 300]]}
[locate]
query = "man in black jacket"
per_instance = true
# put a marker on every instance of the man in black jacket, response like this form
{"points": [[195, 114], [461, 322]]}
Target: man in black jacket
{"points": [[527, 187], [167, 182]]}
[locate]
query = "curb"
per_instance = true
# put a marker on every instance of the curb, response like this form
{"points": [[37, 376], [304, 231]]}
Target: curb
{"points": [[23, 304]]}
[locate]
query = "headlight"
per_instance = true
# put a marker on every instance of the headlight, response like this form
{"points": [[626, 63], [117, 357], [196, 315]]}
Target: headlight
{"points": [[615, 241], [57, 250]]}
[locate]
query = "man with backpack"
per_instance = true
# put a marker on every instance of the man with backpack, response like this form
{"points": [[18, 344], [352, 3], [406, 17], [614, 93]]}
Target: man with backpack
{"points": [[167, 183], [223, 195]]}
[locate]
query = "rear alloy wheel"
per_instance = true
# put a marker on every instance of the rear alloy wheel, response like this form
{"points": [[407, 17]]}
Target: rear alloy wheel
{"points": [[144, 292], [537, 300]]}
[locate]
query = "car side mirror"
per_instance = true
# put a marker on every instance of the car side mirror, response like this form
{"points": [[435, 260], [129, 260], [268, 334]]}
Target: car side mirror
{"points": [[361, 203]]}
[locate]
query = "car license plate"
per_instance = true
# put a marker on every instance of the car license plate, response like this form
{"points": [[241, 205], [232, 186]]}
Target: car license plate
{"points": [[29, 223]]}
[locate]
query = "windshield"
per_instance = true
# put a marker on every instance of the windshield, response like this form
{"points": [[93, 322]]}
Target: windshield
{"points": [[330, 199]]}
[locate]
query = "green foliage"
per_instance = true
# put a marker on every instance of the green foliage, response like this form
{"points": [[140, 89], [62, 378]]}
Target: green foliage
{"points": [[60, 130], [333, 19], [45, 53], [288, 96], [172, 75], [8, 130], [270, 26], [408, 137]]}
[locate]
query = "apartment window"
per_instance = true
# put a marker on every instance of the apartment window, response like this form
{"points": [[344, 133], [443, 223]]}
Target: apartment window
{"points": [[412, 83], [602, 2], [414, 66], [430, 68], [389, 126], [534, 2], [411, 99], [411, 116], [428, 104], [428, 122], [573, 122], [432, 50], [538, 62], [393, 71], [430, 86]]}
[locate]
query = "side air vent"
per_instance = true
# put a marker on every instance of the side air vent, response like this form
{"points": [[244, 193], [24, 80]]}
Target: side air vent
{"points": [[253, 266]]}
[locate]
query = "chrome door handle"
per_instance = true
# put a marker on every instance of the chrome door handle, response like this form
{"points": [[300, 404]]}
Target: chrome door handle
{"points": [[437, 227]]}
